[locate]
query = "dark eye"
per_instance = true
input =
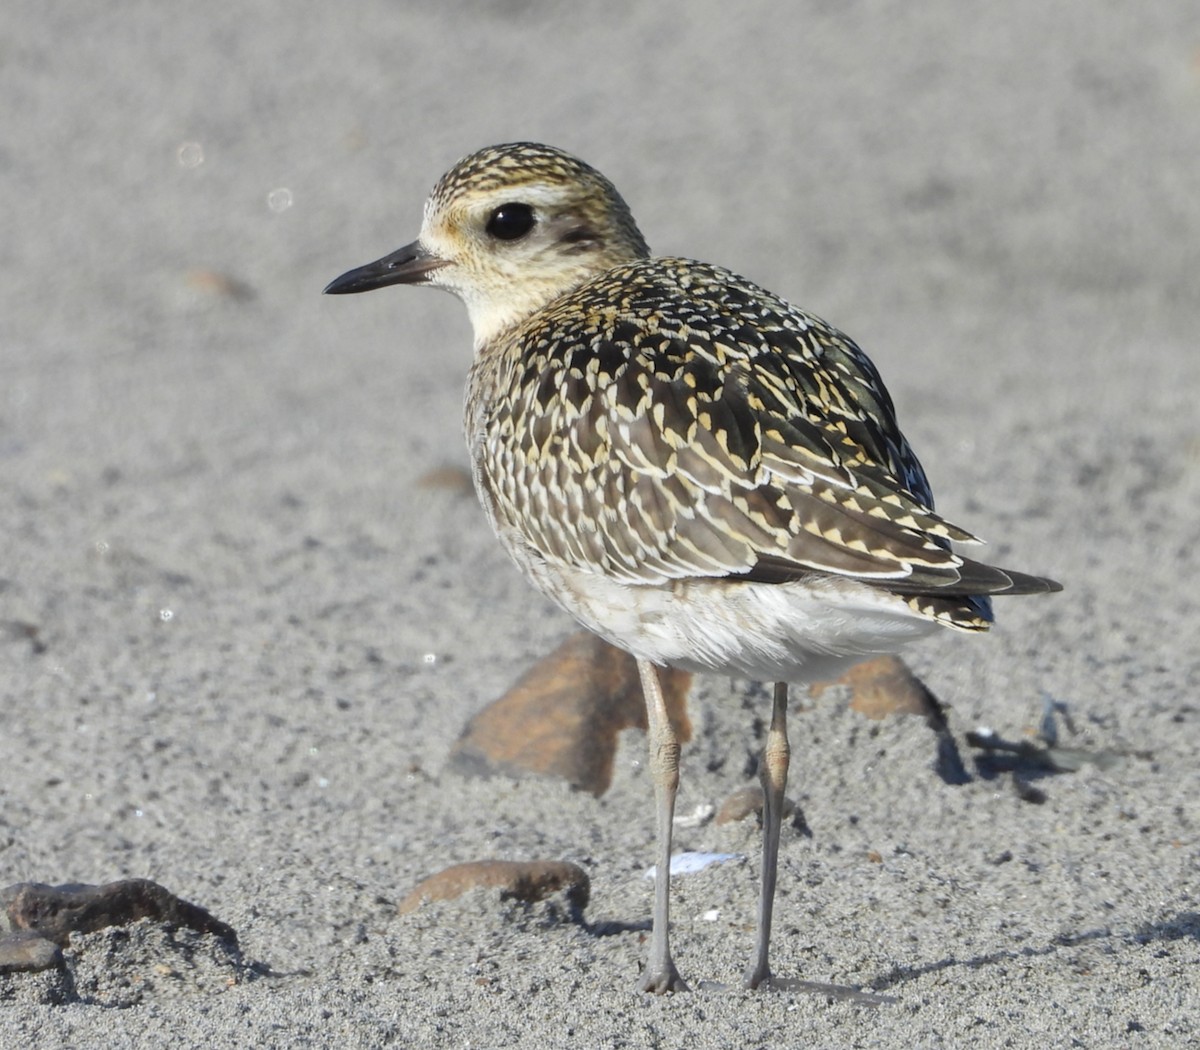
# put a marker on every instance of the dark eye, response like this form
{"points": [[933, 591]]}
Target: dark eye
{"points": [[510, 222]]}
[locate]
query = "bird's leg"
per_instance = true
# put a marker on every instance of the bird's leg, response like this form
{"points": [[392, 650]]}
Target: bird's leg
{"points": [[660, 974], [772, 772]]}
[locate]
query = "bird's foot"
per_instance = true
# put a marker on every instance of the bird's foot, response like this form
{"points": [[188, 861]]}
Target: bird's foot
{"points": [[757, 974], [661, 979]]}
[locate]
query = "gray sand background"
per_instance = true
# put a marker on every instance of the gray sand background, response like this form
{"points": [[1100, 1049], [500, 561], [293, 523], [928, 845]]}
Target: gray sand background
{"points": [[261, 634]]}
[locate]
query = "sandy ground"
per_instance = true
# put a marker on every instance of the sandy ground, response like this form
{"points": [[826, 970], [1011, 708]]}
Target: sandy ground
{"points": [[258, 636]]}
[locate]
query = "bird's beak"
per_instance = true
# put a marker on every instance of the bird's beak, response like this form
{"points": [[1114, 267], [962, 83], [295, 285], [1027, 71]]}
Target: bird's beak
{"points": [[411, 264]]}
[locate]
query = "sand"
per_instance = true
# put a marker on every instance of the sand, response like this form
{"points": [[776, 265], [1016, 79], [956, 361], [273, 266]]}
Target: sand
{"points": [[258, 635]]}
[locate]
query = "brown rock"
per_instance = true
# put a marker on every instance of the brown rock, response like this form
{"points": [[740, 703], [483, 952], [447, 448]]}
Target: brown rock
{"points": [[532, 880], [741, 804], [55, 912], [884, 686], [745, 802], [564, 715]]}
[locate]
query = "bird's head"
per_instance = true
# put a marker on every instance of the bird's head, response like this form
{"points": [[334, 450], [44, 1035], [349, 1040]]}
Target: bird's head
{"points": [[508, 230]]}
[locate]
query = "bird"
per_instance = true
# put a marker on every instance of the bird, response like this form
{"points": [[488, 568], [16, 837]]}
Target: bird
{"points": [[702, 474]]}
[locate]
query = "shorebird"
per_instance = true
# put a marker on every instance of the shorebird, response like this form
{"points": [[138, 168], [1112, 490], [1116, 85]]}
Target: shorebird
{"points": [[697, 471]]}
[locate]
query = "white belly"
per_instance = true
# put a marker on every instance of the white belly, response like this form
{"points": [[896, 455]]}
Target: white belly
{"points": [[794, 632]]}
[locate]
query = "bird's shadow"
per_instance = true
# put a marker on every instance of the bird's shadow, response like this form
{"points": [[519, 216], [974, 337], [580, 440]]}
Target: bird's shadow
{"points": [[614, 927], [1184, 925], [1025, 760]]}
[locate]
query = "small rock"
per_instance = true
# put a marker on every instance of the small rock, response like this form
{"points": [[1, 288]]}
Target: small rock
{"points": [[26, 951], [530, 881], [564, 716], [741, 804], [884, 686], [748, 801], [55, 912]]}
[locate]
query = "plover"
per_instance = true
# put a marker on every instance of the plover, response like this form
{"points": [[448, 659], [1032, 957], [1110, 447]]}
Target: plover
{"points": [[697, 471]]}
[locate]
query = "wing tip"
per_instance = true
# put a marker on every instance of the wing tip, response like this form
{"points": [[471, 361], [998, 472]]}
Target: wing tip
{"points": [[1025, 583]]}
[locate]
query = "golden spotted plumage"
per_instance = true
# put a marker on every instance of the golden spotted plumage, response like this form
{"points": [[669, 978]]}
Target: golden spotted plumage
{"points": [[693, 424]]}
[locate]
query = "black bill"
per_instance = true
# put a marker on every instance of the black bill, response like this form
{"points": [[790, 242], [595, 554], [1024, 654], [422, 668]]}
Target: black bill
{"points": [[411, 264]]}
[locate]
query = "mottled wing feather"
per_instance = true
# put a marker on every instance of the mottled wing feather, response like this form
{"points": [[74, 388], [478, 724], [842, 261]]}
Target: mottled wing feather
{"points": [[671, 420]]}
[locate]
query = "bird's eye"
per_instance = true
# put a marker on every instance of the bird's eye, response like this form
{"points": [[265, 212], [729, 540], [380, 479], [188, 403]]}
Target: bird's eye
{"points": [[510, 222]]}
